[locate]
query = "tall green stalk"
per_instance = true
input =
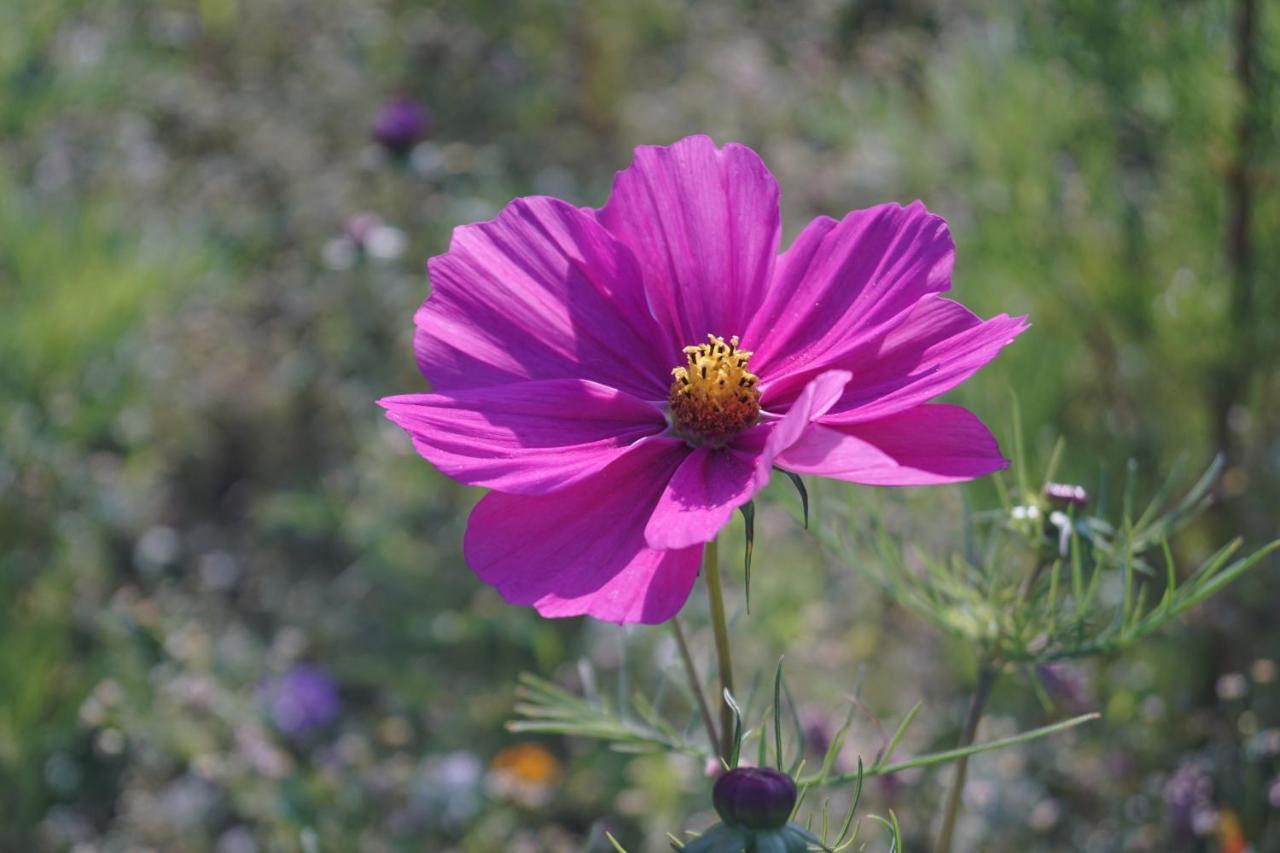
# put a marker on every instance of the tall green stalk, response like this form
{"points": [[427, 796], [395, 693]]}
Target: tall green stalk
{"points": [[720, 626]]}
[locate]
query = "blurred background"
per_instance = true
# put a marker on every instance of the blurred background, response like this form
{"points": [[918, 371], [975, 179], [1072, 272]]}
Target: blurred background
{"points": [[235, 615]]}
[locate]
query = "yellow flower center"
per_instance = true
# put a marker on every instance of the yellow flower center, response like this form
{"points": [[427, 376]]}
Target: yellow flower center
{"points": [[714, 396]]}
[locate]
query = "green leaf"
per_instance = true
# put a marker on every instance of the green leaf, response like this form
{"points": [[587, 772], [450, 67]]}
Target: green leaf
{"points": [[898, 735], [777, 716], [737, 729], [804, 495], [950, 755], [748, 511]]}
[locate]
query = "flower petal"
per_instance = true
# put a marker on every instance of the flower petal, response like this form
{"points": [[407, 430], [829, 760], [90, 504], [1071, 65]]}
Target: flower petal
{"points": [[540, 292], [822, 392], [705, 490], [582, 550], [704, 224], [713, 482], [842, 284], [939, 346], [528, 437], [928, 444]]}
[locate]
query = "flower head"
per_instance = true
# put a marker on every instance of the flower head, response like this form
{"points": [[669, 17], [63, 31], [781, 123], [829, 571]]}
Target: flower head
{"points": [[401, 124], [754, 804], [623, 379], [302, 700]]}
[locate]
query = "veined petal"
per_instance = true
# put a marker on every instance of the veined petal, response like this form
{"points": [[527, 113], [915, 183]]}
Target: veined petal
{"points": [[713, 482], [817, 398], [702, 495], [704, 224], [841, 285], [582, 550], [541, 292], [940, 345], [526, 437], [929, 444]]}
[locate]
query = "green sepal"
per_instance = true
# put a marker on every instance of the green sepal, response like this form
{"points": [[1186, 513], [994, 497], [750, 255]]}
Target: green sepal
{"points": [[804, 494], [722, 838]]}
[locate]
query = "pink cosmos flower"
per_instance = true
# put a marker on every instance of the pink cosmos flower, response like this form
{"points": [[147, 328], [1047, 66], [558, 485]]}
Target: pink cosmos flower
{"points": [[623, 379]]}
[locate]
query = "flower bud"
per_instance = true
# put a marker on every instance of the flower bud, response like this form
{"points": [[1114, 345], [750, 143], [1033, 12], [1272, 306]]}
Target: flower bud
{"points": [[754, 797]]}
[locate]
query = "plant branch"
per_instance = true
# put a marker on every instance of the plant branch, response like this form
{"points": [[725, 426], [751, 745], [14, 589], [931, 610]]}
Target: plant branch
{"points": [[695, 684], [982, 690]]}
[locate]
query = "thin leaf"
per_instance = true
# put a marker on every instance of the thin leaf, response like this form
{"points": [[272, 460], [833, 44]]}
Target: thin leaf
{"points": [[737, 729], [748, 511], [950, 755], [777, 717], [804, 495], [853, 808], [898, 735]]}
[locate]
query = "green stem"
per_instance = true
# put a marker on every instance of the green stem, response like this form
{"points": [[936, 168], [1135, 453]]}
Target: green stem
{"points": [[715, 592], [986, 680], [695, 684]]}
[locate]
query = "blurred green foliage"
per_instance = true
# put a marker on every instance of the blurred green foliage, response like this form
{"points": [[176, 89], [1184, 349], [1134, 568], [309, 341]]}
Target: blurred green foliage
{"points": [[196, 490]]}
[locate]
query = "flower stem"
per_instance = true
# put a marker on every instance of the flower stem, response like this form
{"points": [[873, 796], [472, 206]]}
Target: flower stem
{"points": [[695, 684], [986, 680], [715, 592]]}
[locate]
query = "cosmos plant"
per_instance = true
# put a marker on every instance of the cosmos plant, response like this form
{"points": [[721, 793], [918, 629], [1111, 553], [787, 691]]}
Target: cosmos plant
{"points": [[624, 379]]}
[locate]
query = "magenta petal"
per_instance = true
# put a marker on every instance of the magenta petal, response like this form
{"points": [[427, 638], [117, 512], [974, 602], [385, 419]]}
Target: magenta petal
{"points": [[582, 550], [928, 444], [713, 482], [700, 498], [704, 223], [842, 284], [815, 400], [541, 292], [528, 437], [940, 345]]}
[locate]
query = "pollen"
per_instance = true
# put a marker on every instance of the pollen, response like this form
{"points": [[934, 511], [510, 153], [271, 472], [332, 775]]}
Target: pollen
{"points": [[714, 395]]}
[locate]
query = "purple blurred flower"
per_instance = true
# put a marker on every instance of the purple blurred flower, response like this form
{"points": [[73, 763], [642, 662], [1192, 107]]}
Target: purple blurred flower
{"points": [[401, 124], [302, 700], [1187, 795], [891, 785], [819, 729], [1066, 684]]}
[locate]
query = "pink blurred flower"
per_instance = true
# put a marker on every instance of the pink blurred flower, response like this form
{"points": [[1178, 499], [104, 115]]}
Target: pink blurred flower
{"points": [[624, 378]]}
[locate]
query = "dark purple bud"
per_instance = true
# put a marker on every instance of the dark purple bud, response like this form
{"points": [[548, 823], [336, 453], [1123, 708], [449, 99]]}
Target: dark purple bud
{"points": [[401, 124], [1065, 494], [754, 797]]}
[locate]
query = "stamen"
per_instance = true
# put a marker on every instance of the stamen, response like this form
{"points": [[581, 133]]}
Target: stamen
{"points": [[714, 395]]}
